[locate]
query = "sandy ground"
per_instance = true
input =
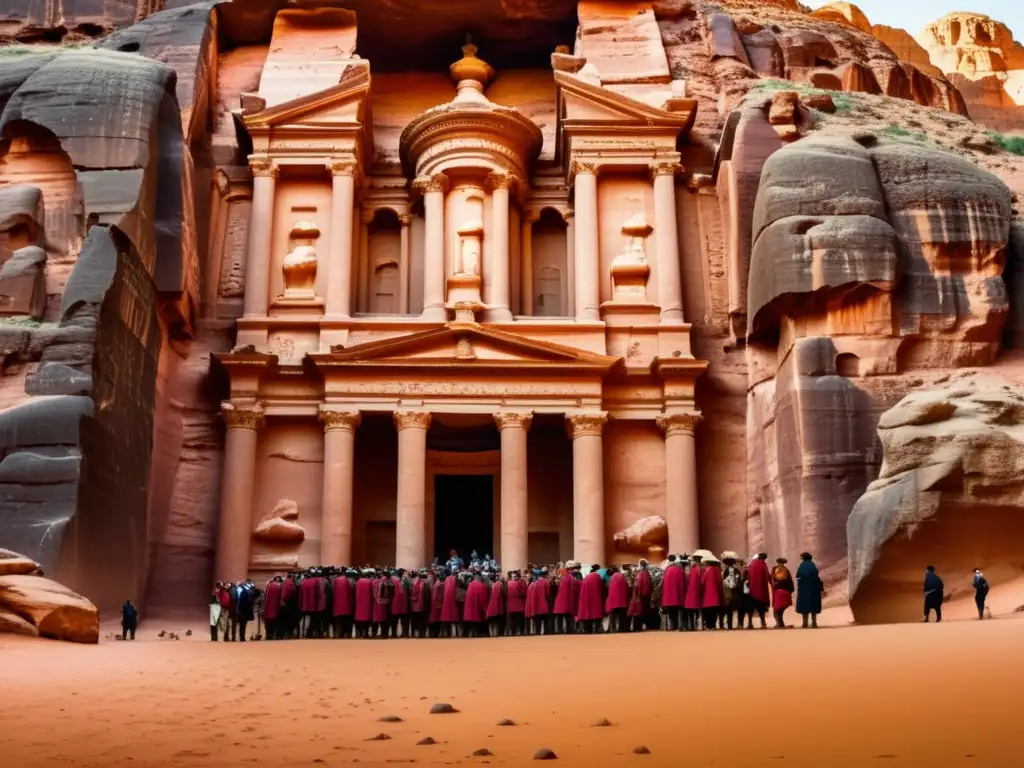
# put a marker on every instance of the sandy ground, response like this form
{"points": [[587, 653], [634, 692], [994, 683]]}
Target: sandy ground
{"points": [[911, 694]]}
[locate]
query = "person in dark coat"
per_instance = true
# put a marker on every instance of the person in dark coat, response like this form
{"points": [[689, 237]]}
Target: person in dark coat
{"points": [[808, 590], [980, 591], [732, 591], [272, 607], [419, 605], [129, 620], [245, 612], [516, 603], [933, 588]]}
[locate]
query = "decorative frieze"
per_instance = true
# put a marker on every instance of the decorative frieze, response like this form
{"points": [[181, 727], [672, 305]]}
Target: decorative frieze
{"points": [[248, 416], [678, 423], [583, 424]]}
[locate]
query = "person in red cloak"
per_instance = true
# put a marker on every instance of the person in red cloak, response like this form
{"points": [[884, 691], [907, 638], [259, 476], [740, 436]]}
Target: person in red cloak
{"points": [[642, 591], [383, 594], [436, 604], [538, 604], [419, 605], [496, 607], [400, 605], [531, 580], [288, 616], [617, 602], [343, 604], [673, 594], [450, 607], [308, 590], [782, 591], [694, 596], [590, 612], [516, 604], [711, 597], [272, 606], [474, 611], [324, 604], [566, 601], [364, 604], [760, 587]]}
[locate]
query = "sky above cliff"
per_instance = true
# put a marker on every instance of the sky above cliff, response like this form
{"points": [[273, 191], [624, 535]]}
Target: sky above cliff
{"points": [[913, 15]]}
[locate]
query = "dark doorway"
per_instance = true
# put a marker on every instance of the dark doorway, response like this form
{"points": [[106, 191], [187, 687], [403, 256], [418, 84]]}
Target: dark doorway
{"points": [[463, 515]]}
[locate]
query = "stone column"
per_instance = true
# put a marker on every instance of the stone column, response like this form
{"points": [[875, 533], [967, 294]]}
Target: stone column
{"points": [[681, 510], [338, 300], [339, 463], [587, 258], [365, 268], [411, 516], [499, 310], [514, 499], [261, 231], [670, 282], [406, 263], [570, 263], [234, 531], [526, 247], [433, 188], [588, 486]]}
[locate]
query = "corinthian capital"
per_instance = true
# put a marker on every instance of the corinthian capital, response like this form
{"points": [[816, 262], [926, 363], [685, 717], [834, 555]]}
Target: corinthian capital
{"points": [[412, 419], [582, 424], [347, 420], [665, 168], [436, 183], [678, 423], [507, 181], [248, 416], [263, 166], [341, 166], [513, 420], [585, 166]]}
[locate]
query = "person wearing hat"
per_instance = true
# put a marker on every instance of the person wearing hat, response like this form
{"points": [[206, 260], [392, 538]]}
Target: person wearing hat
{"points": [[673, 594], [399, 618], [474, 610], [450, 614], [732, 591], [782, 591], [694, 593], [617, 602], [933, 589], [642, 591], [419, 604], [538, 603], [567, 598], [496, 609], [364, 603], [711, 597], [590, 613], [809, 589], [516, 603], [759, 579]]}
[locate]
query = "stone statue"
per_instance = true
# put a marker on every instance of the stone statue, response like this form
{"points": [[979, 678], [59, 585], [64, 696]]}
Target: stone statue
{"points": [[299, 265], [470, 237], [279, 527], [647, 536], [629, 270]]}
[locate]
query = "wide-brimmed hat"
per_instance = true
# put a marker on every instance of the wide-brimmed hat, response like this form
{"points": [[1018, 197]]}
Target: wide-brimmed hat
{"points": [[729, 555], [711, 559], [704, 554]]}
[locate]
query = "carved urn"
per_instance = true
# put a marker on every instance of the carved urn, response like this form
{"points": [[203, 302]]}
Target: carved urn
{"points": [[630, 270], [299, 265]]}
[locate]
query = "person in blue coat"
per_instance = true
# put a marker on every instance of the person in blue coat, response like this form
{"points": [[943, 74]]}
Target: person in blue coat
{"points": [[809, 589]]}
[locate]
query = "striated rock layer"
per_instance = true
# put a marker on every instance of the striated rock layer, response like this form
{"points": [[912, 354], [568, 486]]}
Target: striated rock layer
{"points": [[949, 494]]}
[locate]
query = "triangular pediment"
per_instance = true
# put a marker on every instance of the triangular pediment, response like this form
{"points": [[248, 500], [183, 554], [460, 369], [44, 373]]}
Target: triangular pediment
{"points": [[465, 344], [584, 102], [348, 102]]}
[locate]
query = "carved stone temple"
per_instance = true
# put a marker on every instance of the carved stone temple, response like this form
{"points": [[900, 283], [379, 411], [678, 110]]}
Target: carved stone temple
{"points": [[472, 312]]}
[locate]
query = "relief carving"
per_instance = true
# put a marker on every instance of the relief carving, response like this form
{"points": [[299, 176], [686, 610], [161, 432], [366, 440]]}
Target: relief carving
{"points": [[280, 526], [412, 419], [679, 423], [630, 270], [666, 169], [339, 166], [509, 420], [647, 536], [347, 420], [299, 265], [249, 416], [582, 424], [425, 184], [263, 166]]}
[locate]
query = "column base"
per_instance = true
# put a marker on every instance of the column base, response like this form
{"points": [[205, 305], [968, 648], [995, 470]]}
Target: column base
{"points": [[498, 315]]}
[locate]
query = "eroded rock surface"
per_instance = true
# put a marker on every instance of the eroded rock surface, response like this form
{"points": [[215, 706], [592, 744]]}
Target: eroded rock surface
{"points": [[33, 605], [949, 494]]}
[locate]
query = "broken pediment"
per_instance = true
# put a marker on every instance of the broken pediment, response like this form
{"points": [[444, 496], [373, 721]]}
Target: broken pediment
{"points": [[463, 344], [347, 101]]}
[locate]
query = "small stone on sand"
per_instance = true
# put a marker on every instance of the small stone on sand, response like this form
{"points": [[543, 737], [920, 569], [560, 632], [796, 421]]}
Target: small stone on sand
{"points": [[506, 721], [379, 737], [544, 754], [426, 741], [602, 723], [389, 719], [485, 752], [641, 751], [443, 709]]}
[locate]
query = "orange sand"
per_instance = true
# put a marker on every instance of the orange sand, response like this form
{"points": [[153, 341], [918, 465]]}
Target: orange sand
{"points": [[940, 695]]}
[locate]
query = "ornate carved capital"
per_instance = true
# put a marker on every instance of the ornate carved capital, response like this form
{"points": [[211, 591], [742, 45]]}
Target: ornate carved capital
{"points": [[587, 423], [568, 216], [405, 219], [248, 416], [436, 183], [412, 419], [678, 423], [585, 166], [665, 168], [513, 420], [507, 181], [348, 420], [263, 166], [368, 215], [340, 166]]}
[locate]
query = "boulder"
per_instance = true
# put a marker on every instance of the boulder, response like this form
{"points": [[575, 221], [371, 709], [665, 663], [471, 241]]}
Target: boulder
{"points": [[54, 610], [280, 526], [948, 494], [641, 536], [13, 564]]}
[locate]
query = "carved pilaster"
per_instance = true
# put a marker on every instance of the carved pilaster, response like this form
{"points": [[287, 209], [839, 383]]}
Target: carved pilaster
{"points": [[347, 420], [582, 424], [412, 419], [263, 166], [665, 168], [248, 416], [678, 423], [436, 183], [405, 219], [513, 420], [340, 166]]}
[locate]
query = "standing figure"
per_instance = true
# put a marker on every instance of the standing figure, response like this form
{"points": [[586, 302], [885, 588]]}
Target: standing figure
{"points": [[343, 607], [782, 591], [567, 593], [809, 589], [516, 602], [272, 607], [400, 605], [419, 605], [642, 590], [538, 604], [933, 588], [711, 597], [673, 594], [760, 587], [590, 612], [436, 603], [617, 601], [496, 607], [732, 591], [474, 611], [307, 604], [383, 594], [214, 614], [129, 620], [364, 604], [450, 616], [694, 594], [224, 596], [245, 608], [980, 585]]}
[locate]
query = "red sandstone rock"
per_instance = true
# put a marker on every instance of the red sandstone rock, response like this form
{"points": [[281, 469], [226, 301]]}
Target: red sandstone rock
{"points": [[55, 611], [13, 564]]}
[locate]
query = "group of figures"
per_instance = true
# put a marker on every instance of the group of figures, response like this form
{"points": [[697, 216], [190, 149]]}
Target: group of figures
{"points": [[684, 593]]}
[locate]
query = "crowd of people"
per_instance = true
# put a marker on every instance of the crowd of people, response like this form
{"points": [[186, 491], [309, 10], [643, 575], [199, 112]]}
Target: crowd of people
{"points": [[456, 599]]}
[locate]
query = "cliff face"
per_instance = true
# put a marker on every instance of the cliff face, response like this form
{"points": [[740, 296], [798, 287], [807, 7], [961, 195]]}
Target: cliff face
{"points": [[853, 240]]}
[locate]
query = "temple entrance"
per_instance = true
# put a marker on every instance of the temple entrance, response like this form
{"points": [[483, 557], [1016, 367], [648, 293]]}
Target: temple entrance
{"points": [[463, 515]]}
